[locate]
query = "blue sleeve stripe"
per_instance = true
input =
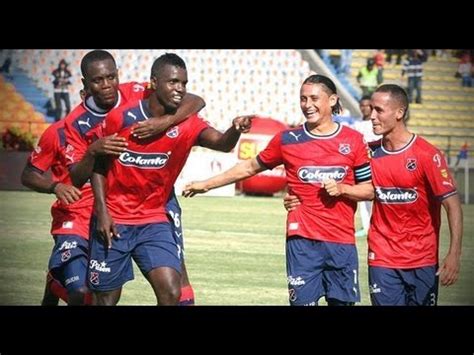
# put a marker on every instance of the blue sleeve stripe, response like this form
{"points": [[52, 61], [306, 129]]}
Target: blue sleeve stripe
{"points": [[445, 196]]}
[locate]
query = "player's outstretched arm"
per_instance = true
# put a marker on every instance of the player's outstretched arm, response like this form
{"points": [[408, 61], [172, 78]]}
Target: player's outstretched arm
{"points": [[35, 180], [450, 266], [225, 142], [241, 171], [191, 104]]}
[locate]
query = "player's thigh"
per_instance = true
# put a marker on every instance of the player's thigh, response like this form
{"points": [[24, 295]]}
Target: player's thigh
{"points": [[304, 265], [386, 287], [341, 272], [425, 290], [68, 261], [156, 247], [110, 269]]}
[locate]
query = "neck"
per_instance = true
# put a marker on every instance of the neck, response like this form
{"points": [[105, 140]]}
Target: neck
{"points": [[91, 104], [322, 127], [397, 138], [156, 108]]}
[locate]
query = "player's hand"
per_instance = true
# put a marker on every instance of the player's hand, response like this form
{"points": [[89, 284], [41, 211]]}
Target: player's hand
{"points": [[109, 145], [243, 123], [67, 193], [106, 228], [449, 269], [151, 127], [332, 187], [291, 202], [194, 188]]}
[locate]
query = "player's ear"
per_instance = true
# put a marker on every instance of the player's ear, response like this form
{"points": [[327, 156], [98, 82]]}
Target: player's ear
{"points": [[400, 113], [153, 83]]}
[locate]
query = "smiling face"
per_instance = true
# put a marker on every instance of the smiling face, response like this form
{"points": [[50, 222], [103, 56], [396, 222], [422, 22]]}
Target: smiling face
{"points": [[170, 86], [386, 113], [101, 81], [316, 103]]}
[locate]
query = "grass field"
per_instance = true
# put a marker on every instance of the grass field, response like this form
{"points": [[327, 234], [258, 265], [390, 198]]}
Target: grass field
{"points": [[234, 252]]}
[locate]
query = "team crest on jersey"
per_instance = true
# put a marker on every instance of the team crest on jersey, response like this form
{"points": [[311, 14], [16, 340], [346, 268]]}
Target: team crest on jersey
{"points": [[444, 173], [344, 148], [94, 278], [66, 255], [173, 132], [411, 164]]}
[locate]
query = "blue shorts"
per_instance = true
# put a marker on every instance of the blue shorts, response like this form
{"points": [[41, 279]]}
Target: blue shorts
{"points": [[317, 269], [173, 211], [68, 261], [151, 245], [403, 287]]}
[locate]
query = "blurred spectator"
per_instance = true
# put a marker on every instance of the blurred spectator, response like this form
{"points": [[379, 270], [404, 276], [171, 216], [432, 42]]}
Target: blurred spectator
{"points": [[345, 118], [465, 70], [61, 84], [368, 78], [461, 155], [397, 52], [345, 62], [379, 60], [413, 67], [364, 126]]}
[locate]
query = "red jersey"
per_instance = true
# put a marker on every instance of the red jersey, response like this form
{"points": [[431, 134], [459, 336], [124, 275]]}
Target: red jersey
{"points": [[140, 180], [51, 153], [83, 125], [410, 184], [309, 160]]}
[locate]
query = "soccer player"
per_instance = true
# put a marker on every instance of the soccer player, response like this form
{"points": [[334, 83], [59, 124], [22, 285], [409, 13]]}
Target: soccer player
{"points": [[71, 215], [72, 212], [411, 181], [102, 93], [131, 190], [49, 154], [318, 157]]}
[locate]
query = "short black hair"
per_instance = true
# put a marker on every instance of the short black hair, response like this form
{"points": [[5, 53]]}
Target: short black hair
{"points": [[95, 56], [398, 94], [328, 86], [365, 97], [166, 59]]}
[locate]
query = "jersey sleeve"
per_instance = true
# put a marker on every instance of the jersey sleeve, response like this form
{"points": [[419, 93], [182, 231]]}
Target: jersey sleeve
{"points": [[271, 156], [45, 153], [134, 91], [76, 144], [437, 173]]}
